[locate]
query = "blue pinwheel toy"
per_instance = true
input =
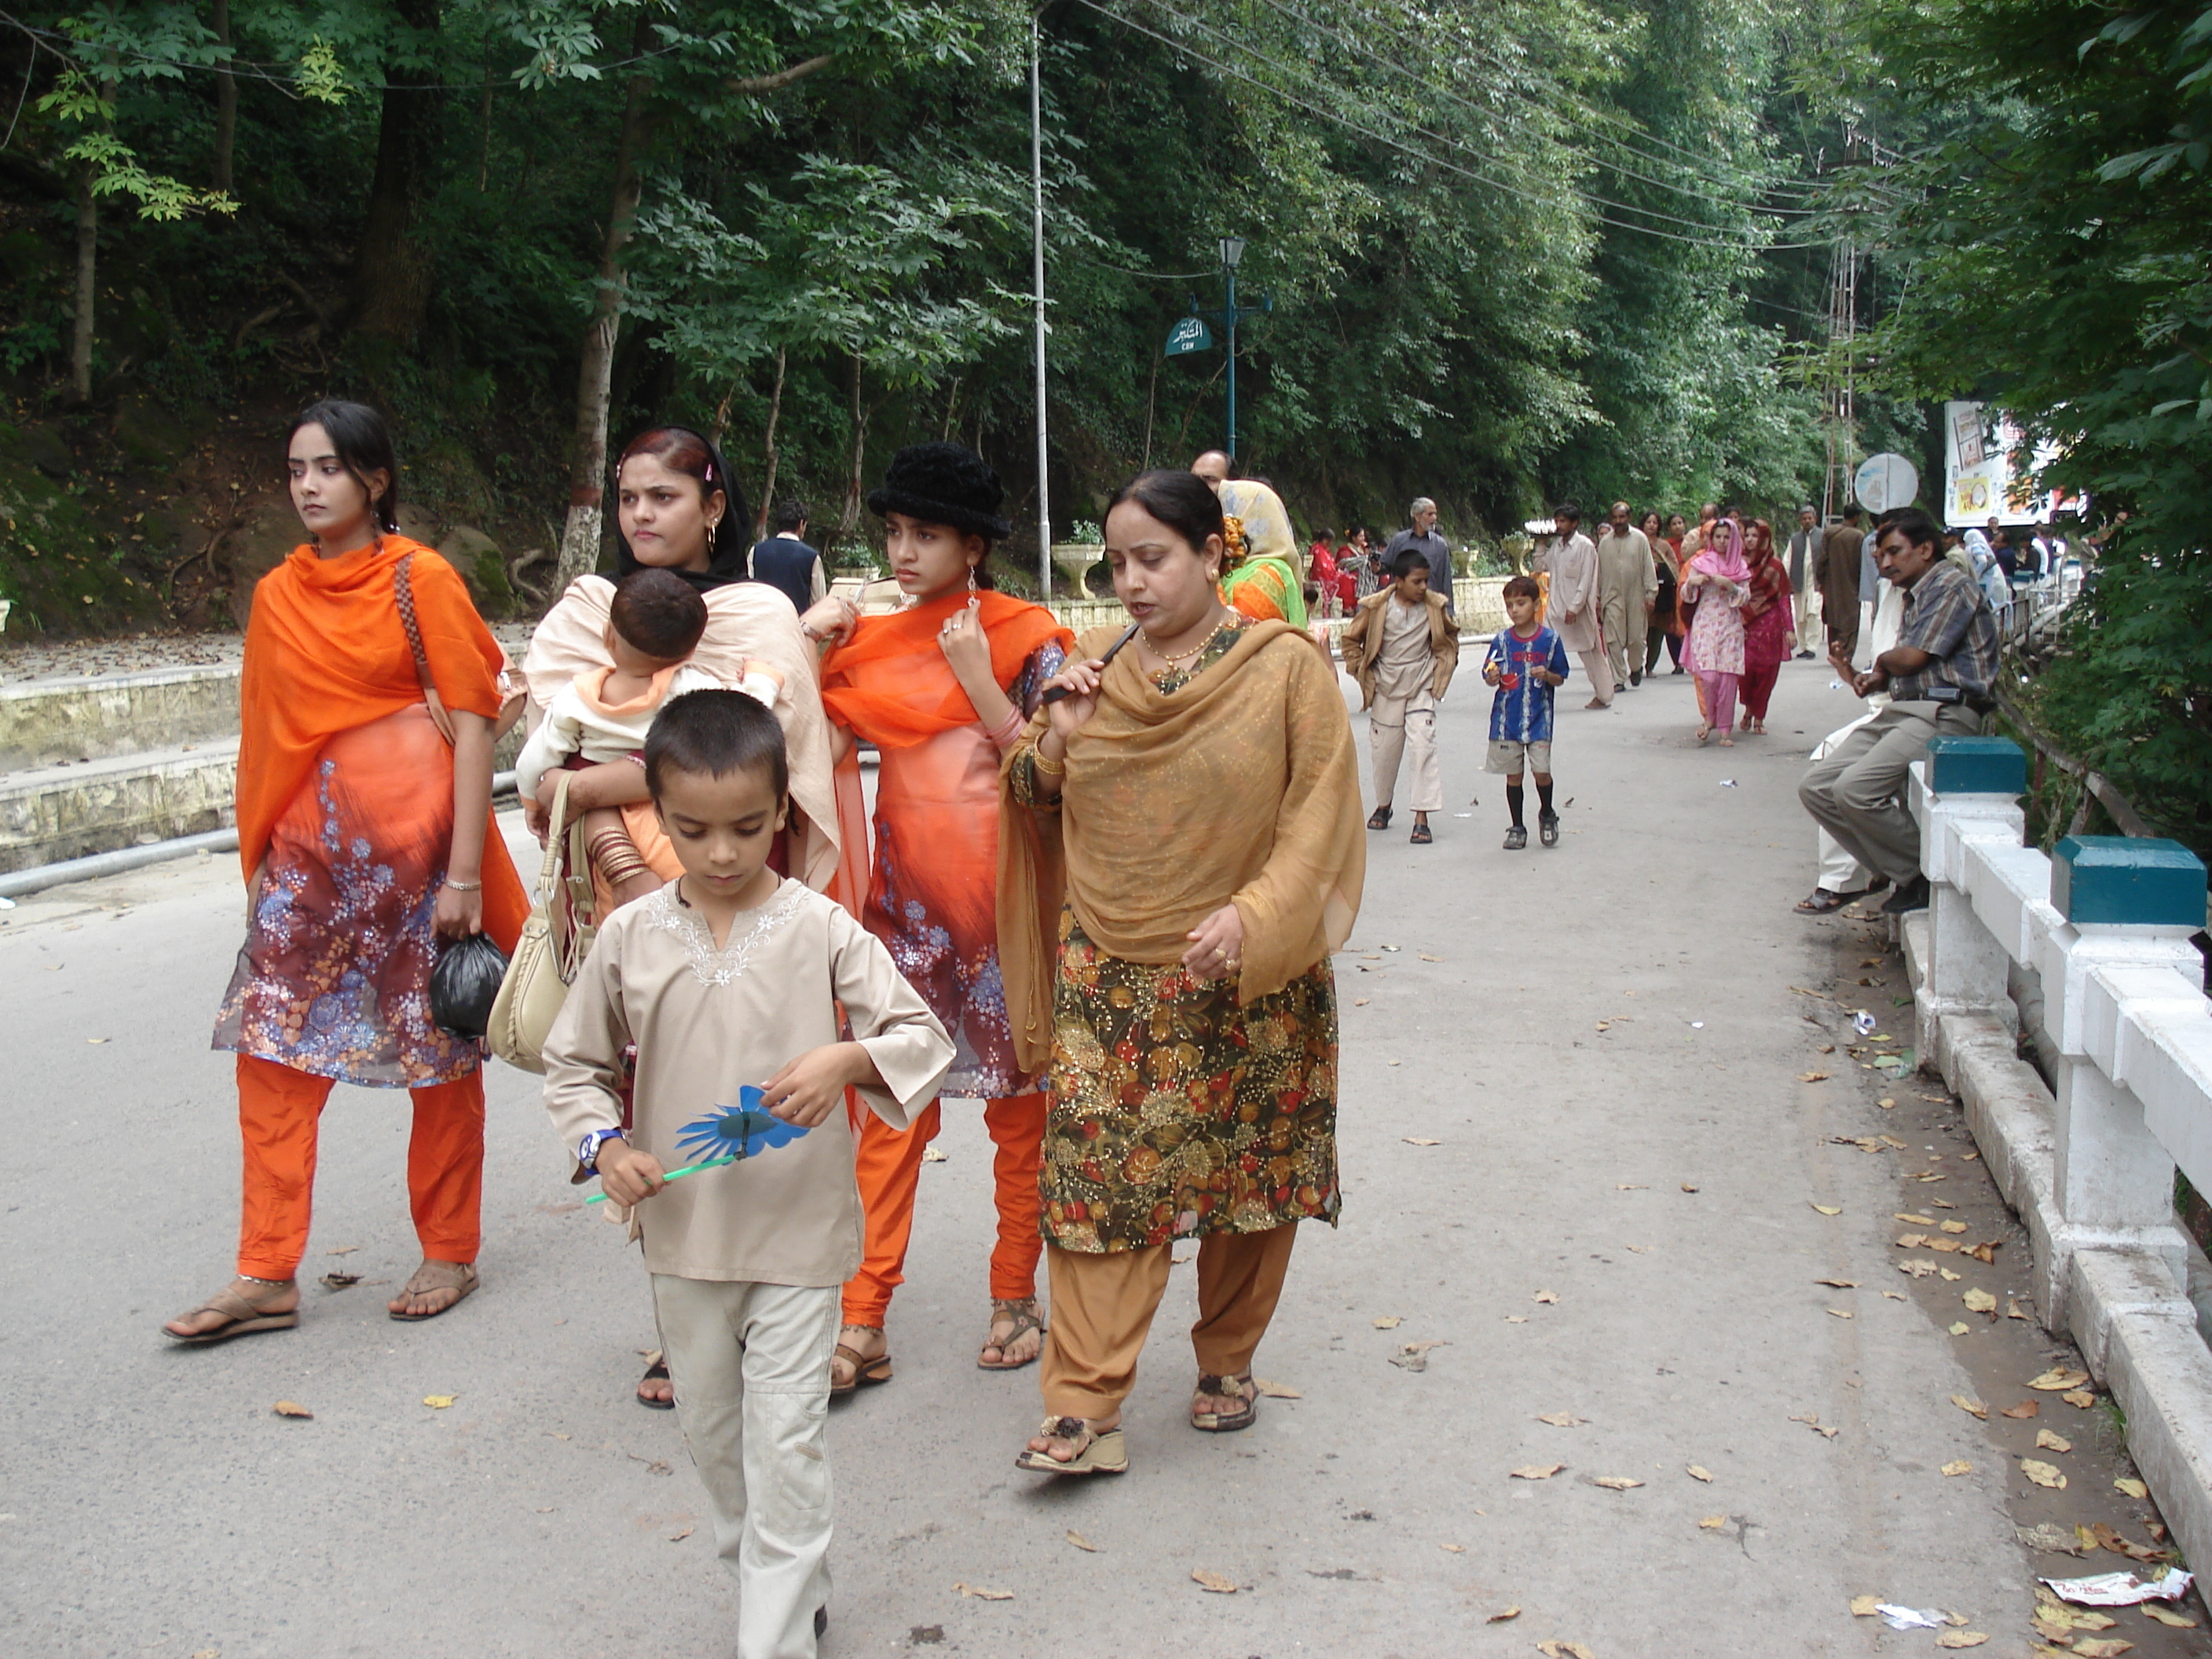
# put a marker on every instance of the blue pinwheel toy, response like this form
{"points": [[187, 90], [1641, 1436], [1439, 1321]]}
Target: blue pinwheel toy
{"points": [[727, 1134]]}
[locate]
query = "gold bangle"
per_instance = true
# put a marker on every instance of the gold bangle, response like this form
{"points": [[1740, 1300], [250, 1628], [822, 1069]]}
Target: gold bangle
{"points": [[1051, 768]]}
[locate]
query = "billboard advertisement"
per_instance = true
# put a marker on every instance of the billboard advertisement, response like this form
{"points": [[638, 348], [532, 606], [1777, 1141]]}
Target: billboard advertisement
{"points": [[1980, 482]]}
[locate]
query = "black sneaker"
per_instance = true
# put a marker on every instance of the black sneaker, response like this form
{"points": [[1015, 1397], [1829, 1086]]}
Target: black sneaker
{"points": [[1516, 838], [1547, 828], [1912, 895], [1804, 656]]}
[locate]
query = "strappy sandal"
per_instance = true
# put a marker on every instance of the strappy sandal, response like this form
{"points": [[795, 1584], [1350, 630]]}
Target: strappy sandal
{"points": [[1381, 819], [1819, 902], [1094, 1452], [459, 1277], [245, 1320], [1421, 837], [1227, 1388], [867, 1371], [656, 1371], [1023, 1315]]}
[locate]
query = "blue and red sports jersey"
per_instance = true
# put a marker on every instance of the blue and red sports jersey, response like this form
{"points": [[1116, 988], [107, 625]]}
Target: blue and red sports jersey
{"points": [[1522, 709]]}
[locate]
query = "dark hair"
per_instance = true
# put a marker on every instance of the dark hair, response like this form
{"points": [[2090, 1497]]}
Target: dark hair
{"points": [[711, 734], [680, 449], [1852, 512], [1183, 501], [1916, 527], [1522, 587], [788, 514], [364, 445], [1568, 510], [1884, 519], [659, 613], [1407, 559]]}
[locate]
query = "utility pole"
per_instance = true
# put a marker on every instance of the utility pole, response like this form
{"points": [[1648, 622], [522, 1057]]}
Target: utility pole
{"points": [[1036, 268], [1840, 414]]}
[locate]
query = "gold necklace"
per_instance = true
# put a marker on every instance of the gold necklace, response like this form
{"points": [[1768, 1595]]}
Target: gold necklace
{"points": [[1183, 656]]}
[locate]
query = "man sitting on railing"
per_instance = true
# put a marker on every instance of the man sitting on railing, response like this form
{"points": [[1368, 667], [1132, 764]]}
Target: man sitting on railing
{"points": [[1941, 677]]}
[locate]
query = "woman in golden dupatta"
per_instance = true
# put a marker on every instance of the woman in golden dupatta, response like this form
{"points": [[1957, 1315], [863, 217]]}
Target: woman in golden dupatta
{"points": [[1187, 820]]}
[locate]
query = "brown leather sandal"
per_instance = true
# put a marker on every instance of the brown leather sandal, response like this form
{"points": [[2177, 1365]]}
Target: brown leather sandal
{"points": [[245, 1319], [868, 1371], [1023, 1315], [1243, 1414], [1097, 1451], [458, 1277]]}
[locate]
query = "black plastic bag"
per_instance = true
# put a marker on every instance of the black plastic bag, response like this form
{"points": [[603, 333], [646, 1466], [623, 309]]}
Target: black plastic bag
{"points": [[465, 984]]}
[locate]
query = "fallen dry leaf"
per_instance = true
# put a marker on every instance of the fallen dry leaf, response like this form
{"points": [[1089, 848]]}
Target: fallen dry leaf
{"points": [[2167, 1617], [2080, 1398], [1688, 1187], [2014, 1310], [679, 1537], [653, 1465], [1415, 1355], [1961, 1638], [1915, 1269], [1971, 1408], [438, 1402], [1713, 1522], [1812, 1077], [1839, 1283], [1455, 1549], [1829, 1209], [2132, 1488], [1958, 1466], [1979, 1300], [1886, 1103], [1949, 1278], [1426, 957], [2101, 1647], [1562, 1419], [1698, 1472], [342, 1250], [1547, 1296], [1912, 1240], [1604, 1025], [1917, 1220], [1517, 1319], [1535, 1471], [1629, 1187], [1839, 1313], [2049, 1442], [2025, 1410], [1212, 1582], [292, 1408], [2058, 1378], [1863, 1607], [1894, 1296], [1500, 1618], [982, 1594], [1556, 1650], [2043, 1475], [1616, 1482], [1960, 1329], [1361, 1002], [1953, 1226], [339, 1281], [1419, 1140], [1080, 1542], [1390, 1321], [1277, 1390]]}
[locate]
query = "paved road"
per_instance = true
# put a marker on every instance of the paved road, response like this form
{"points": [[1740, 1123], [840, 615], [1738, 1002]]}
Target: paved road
{"points": [[152, 1503]]}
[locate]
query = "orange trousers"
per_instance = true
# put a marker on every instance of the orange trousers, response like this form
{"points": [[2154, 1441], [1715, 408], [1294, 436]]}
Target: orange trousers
{"points": [[1103, 1306], [888, 1164], [280, 1111]]}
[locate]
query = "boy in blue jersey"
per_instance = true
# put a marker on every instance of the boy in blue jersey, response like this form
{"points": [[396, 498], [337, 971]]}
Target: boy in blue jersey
{"points": [[1527, 663]]}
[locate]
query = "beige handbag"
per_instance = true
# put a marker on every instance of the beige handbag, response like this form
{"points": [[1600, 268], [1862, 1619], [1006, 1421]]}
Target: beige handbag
{"points": [[563, 923]]}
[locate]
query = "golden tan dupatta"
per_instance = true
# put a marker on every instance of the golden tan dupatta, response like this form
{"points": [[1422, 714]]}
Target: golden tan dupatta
{"points": [[1241, 785]]}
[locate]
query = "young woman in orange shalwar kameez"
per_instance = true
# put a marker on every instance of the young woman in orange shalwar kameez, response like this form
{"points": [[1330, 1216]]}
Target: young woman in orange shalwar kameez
{"points": [[368, 701], [943, 689]]}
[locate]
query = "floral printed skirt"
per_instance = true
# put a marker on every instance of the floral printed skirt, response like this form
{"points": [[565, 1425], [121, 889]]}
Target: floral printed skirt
{"points": [[334, 978], [1175, 1112]]}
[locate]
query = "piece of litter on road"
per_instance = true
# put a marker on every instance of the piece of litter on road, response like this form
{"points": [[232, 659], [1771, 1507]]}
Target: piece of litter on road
{"points": [[679, 1537], [1081, 1542], [438, 1402], [1713, 1522], [339, 1281], [1212, 1582], [1547, 1296], [2121, 1589], [1562, 1419], [1415, 1355], [1812, 1420], [1958, 1466], [1979, 1300], [2080, 1398], [1277, 1390], [1426, 957], [1421, 1141], [1495, 1618], [96, 1039], [1390, 1321], [1960, 1327], [1812, 1077], [1839, 1313], [292, 1408], [1863, 1607], [1462, 815], [1697, 1472], [2043, 1475], [2167, 1617], [1862, 1023], [2132, 1488], [1829, 1209], [1455, 1549], [2047, 1441], [1630, 1187], [1839, 1283], [1535, 1471], [982, 1593], [1617, 1482], [931, 1155], [1558, 1649], [1394, 1062], [2058, 1379], [1971, 1408], [2025, 1409], [342, 1250], [1361, 1002], [1961, 1638], [1688, 1187], [1899, 1618], [1907, 1215], [1696, 1025]]}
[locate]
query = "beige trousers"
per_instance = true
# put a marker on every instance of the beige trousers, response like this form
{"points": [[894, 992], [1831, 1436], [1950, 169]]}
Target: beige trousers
{"points": [[1102, 1307], [1600, 674], [751, 1368], [1394, 724], [1620, 618]]}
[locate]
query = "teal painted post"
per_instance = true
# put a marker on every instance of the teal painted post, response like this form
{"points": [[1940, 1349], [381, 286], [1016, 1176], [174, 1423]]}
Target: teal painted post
{"points": [[2121, 881], [1977, 766]]}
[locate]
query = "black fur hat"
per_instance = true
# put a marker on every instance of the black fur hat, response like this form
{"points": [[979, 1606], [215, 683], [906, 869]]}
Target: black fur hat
{"points": [[942, 484]]}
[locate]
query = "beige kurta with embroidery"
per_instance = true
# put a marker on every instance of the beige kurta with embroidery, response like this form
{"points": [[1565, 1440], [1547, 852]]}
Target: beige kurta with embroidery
{"points": [[707, 1022]]}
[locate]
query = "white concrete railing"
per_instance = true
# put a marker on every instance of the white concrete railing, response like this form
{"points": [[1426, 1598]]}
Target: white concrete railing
{"points": [[2091, 950]]}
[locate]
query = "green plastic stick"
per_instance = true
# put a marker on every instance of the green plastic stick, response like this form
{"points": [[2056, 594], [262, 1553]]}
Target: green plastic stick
{"points": [[688, 1169]]}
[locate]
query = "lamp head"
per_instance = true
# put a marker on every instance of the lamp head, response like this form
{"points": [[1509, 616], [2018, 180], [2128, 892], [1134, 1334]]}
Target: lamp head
{"points": [[1232, 251]]}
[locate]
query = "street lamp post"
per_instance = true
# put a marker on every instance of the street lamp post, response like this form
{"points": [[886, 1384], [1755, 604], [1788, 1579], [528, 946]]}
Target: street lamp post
{"points": [[1232, 255]]}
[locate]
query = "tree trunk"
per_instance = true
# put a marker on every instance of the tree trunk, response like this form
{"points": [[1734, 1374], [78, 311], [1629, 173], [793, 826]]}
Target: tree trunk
{"points": [[226, 104], [768, 485], [392, 274], [850, 518], [580, 537], [88, 266]]}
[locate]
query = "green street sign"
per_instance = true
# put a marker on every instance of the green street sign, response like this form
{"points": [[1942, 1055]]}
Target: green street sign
{"points": [[1188, 335]]}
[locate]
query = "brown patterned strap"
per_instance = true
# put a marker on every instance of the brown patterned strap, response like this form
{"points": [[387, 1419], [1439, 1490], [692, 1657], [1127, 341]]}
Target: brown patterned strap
{"points": [[403, 590]]}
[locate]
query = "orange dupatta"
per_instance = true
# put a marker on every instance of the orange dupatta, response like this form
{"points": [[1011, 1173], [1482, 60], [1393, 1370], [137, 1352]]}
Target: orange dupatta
{"points": [[325, 652], [903, 647]]}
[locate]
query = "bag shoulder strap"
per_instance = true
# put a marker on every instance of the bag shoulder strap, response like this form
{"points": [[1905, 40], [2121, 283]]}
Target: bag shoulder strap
{"points": [[403, 590]]}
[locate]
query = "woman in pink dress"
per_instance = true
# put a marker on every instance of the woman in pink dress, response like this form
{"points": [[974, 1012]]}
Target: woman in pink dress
{"points": [[1767, 614], [1713, 590]]}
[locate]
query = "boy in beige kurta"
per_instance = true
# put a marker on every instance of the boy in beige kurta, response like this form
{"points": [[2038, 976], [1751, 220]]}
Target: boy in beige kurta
{"points": [[748, 1259]]}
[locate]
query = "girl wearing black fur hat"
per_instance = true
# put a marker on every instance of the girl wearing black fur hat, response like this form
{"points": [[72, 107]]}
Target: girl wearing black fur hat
{"points": [[943, 689]]}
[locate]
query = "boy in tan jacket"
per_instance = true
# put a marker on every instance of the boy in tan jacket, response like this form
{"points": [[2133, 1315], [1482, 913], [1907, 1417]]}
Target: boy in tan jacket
{"points": [[1401, 645]]}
